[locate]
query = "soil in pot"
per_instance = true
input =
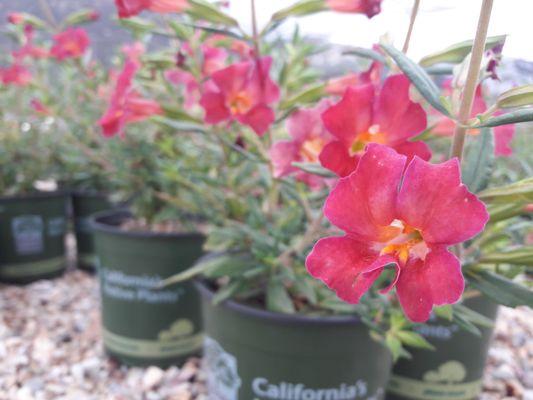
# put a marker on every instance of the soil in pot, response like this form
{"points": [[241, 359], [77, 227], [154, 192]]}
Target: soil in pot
{"points": [[32, 237], [252, 354], [454, 370], [144, 324], [84, 205]]}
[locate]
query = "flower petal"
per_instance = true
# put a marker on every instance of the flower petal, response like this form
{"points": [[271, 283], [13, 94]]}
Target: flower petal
{"points": [[436, 281], [411, 149], [351, 115], [503, 136], [258, 118], [282, 154], [346, 266], [234, 78], [215, 107], [335, 157], [364, 203], [433, 199], [398, 116]]}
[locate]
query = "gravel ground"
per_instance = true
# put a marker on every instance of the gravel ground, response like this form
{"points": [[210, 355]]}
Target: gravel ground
{"points": [[50, 349]]}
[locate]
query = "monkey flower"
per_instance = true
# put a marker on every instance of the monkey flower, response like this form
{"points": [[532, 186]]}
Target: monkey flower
{"points": [[15, 18], [130, 8], [242, 92], [367, 7], [360, 118], [503, 135], [308, 138], [406, 217], [71, 43], [338, 85], [28, 49], [16, 74]]}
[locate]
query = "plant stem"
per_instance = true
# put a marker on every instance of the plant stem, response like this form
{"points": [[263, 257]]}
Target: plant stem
{"points": [[471, 80], [45, 7], [254, 30], [414, 13]]}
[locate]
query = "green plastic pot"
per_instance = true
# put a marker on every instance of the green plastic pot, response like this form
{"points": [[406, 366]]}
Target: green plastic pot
{"points": [[84, 205], [253, 354], [454, 371], [144, 324], [32, 237]]}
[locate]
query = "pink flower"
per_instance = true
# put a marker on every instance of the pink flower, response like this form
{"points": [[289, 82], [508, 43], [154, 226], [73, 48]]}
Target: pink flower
{"points": [[308, 138], [39, 107], [368, 7], [337, 86], [407, 217], [16, 74], [28, 49], [503, 135], [242, 92], [192, 91], [15, 18], [130, 8], [71, 43], [361, 118], [127, 105]]}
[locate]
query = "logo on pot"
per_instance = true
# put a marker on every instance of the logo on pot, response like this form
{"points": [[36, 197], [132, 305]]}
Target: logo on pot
{"points": [[223, 381], [28, 232], [298, 391], [449, 372], [179, 329], [56, 226]]}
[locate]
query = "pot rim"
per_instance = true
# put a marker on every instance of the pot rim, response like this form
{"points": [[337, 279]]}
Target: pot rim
{"points": [[36, 195], [286, 319], [101, 222]]}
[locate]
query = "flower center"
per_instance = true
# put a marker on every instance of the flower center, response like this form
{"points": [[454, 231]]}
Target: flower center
{"points": [[240, 103], [373, 135], [71, 47], [408, 242], [311, 149]]}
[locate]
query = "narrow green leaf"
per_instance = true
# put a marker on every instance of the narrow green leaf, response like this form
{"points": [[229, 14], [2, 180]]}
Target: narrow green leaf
{"points": [[414, 339], [466, 324], [201, 9], [179, 114], [301, 8], [444, 312], [303, 288], [79, 17], [419, 78], [395, 346], [479, 161], [457, 52], [514, 117], [520, 256], [277, 297], [178, 125], [516, 192], [315, 169], [227, 292], [516, 97], [307, 96], [500, 289], [473, 316], [365, 53]]}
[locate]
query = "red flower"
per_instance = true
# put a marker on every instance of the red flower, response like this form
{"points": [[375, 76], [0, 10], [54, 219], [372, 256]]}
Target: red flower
{"points": [[126, 104], [71, 43], [39, 107], [242, 92], [130, 8], [337, 86], [15, 18], [503, 135], [28, 49], [192, 92], [368, 7], [16, 74], [407, 217], [361, 118], [308, 138]]}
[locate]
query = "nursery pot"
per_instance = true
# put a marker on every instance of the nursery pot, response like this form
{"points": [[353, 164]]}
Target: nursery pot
{"points": [[84, 205], [454, 371], [32, 236], [143, 323], [253, 354]]}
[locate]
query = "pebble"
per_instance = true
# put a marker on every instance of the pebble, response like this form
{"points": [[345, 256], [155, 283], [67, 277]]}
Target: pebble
{"points": [[51, 349]]}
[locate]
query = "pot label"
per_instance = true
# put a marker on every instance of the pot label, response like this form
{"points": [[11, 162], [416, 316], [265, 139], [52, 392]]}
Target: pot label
{"points": [[443, 383], [28, 233], [223, 381], [138, 288], [437, 331], [56, 226]]}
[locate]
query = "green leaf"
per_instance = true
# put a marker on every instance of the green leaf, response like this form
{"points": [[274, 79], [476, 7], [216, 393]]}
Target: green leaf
{"points": [[304, 289], [201, 9], [514, 117], [395, 346], [439, 70], [479, 161], [139, 26], [182, 31], [500, 289], [79, 17], [520, 256], [466, 324], [420, 79], [457, 52], [178, 125], [516, 97], [473, 316], [277, 297], [227, 292], [414, 339], [444, 312], [310, 95], [315, 169], [365, 53], [517, 192], [501, 211], [304, 7], [179, 114]]}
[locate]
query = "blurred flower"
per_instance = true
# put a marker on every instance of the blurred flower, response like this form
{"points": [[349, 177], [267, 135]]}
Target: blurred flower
{"points": [[444, 126], [71, 43], [16, 74], [337, 86], [28, 49], [192, 92], [94, 15], [130, 8], [242, 92], [368, 7], [399, 216], [360, 118], [15, 18], [39, 107], [308, 137], [126, 104]]}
